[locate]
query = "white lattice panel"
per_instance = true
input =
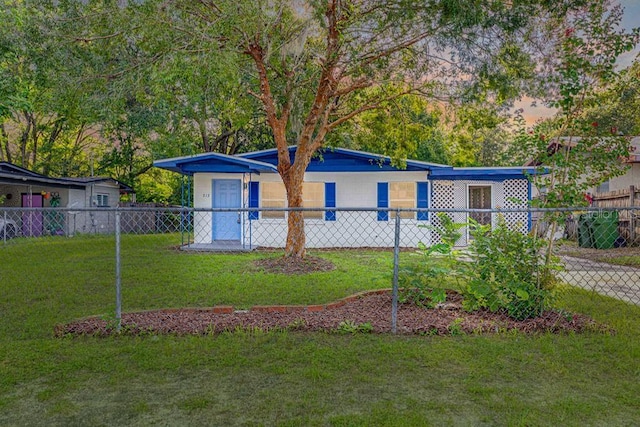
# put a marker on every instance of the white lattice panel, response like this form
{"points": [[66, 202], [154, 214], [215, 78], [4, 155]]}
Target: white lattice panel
{"points": [[509, 194], [515, 197], [443, 195]]}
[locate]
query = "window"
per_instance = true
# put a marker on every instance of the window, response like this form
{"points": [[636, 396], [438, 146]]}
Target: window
{"points": [[603, 188], [102, 200], [402, 195], [313, 197], [273, 196]]}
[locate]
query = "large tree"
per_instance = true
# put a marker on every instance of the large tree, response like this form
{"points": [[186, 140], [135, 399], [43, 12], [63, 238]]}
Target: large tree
{"points": [[312, 64], [315, 65]]}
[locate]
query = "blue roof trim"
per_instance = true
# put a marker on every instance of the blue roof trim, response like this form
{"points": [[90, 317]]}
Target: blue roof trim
{"points": [[484, 174], [345, 160], [214, 162]]}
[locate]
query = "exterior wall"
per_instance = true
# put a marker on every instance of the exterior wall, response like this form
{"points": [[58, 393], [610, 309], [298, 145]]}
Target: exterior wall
{"points": [[52, 222], [623, 182], [14, 191], [453, 194], [96, 221], [203, 199], [353, 190], [359, 190], [70, 222]]}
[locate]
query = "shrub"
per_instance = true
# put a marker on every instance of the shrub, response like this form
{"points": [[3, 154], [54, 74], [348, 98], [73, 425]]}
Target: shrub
{"points": [[422, 284], [509, 272]]}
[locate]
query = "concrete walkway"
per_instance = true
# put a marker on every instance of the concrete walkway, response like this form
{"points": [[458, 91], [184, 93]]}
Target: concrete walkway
{"points": [[616, 281]]}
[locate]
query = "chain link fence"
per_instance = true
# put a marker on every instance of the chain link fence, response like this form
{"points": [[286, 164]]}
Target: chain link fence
{"points": [[590, 250]]}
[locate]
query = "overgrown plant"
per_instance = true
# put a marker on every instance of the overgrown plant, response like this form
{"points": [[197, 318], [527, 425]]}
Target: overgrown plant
{"points": [[575, 152], [422, 284], [509, 272]]}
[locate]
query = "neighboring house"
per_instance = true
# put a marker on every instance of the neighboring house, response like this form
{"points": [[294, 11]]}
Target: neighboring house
{"points": [[341, 178], [617, 183], [631, 177], [24, 188]]}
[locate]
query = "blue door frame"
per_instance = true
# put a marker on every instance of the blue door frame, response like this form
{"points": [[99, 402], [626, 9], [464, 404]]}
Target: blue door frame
{"points": [[227, 193]]}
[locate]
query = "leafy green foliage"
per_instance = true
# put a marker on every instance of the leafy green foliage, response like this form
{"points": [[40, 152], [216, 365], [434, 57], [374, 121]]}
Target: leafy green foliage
{"points": [[422, 284], [578, 153], [351, 327], [508, 272]]}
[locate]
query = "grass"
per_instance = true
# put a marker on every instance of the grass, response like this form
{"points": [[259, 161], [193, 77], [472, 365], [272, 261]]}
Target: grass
{"points": [[283, 378]]}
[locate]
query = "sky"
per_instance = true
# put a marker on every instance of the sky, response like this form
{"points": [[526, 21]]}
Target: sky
{"points": [[630, 19]]}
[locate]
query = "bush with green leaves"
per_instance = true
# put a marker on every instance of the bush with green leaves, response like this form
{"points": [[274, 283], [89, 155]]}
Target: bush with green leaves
{"points": [[509, 272], [422, 284]]}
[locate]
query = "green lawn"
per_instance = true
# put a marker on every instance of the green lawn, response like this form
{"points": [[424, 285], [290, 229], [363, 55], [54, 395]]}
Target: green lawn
{"points": [[282, 378]]}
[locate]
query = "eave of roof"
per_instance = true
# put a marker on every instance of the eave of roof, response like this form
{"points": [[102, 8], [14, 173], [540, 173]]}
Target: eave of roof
{"points": [[345, 160], [214, 162], [19, 179], [485, 173]]}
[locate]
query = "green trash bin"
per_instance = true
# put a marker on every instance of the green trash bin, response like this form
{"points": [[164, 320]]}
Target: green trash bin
{"points": [[605, 229], [585, 231]]}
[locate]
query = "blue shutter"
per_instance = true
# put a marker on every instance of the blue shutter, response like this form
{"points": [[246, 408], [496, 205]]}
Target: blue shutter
{"points": [[423, 200], [254, 197], [330, 200], [383, 200]]}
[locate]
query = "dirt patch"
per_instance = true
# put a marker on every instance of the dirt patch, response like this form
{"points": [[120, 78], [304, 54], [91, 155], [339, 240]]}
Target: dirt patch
{"points": [[370, 310], [291, 265]]}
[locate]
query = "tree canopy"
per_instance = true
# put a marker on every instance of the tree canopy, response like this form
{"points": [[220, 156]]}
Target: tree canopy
{"points": [[123, 82]]}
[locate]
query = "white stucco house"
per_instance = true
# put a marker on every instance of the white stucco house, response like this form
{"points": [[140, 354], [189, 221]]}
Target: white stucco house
{"points": [[22, 188], [339, 179]]}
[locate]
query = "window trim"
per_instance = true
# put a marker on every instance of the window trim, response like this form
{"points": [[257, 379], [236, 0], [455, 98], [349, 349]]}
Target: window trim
{"points": [[102, 200]]}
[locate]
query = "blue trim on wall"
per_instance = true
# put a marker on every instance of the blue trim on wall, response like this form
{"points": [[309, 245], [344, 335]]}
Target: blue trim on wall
{"points": [[529, 218], [383, 200], [330, 200], [254, 199], [423, 200], [482, 174]]}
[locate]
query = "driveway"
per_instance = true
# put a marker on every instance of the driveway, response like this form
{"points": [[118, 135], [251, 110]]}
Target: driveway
{"points": [[616, 281]]}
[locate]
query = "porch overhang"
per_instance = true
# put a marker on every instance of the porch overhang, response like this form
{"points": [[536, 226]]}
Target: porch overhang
{"points": [[214, 163], [484, 174]]}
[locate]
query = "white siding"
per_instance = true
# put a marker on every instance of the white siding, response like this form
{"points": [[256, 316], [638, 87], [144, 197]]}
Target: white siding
{"points": [[351, 229]]}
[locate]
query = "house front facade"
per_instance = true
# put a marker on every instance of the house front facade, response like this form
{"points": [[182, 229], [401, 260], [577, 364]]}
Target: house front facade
{"points": [[338, 179], [22, 188]]}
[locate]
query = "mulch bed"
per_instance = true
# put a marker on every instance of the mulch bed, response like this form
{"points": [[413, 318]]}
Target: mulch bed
{"points": [[291, 265], [373, 309]]}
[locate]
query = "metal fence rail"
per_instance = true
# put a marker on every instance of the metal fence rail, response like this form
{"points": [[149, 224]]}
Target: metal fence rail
{"points": [[596, 248]]}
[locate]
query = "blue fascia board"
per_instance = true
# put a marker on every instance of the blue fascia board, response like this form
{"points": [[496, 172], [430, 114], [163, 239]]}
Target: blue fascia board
{"points": [[483, 174], [214, 162], [345, 160]]}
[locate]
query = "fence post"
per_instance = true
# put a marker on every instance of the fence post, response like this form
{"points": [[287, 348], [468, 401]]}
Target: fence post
{"points": [[396, 261], [4, 234], [632, 215], [118, 281]]}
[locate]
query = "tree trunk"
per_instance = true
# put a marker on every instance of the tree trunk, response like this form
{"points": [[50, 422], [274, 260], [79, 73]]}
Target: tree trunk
{"points": [[5, 142], [296, 239]]}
